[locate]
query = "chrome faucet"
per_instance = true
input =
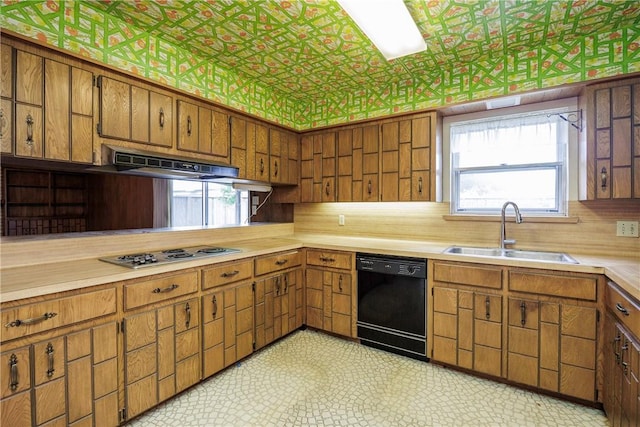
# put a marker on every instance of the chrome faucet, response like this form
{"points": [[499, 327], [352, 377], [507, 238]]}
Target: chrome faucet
{"points": [[503, 237]]}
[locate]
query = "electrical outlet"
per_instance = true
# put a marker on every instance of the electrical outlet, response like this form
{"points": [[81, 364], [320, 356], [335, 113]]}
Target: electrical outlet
{"points": [[340, 219], [627, 228]]}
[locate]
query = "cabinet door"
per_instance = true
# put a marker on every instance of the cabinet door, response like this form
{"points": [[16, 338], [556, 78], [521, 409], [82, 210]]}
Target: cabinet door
{"points": [[523, 338], [6, 126], [160, 119], [276, 155], [341, 306], [28, 130], [115, 108], [141, 379], [370, 153], [578, 351], [139, 114], [6, 71], [314, 297], [390, 162], [220, 135], [81, 116], [306, 169], [57, 114], [188, 130], [345, 166], [239, 149], [238, 324], [213, 333], [262, 169], [329, 193]]}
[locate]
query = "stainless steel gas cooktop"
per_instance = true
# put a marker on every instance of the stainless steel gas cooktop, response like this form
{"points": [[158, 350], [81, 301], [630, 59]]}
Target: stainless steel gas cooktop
{"points": [[145, 259]]}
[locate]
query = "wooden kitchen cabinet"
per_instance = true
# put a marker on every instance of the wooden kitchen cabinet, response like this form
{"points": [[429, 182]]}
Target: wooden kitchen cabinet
{"points": [[609, 144], [467, 322], [134, 113], [407, 159], [318, 168], [69, 379], [283, 157], [214, 279], [278, 296], [53, 108], [250, 149], [238, 321], [621, 398], [358, 168], [262, 143], [330, 292], [203, 130]]}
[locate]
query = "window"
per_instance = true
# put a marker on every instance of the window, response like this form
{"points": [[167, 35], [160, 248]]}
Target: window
{"points": [[195, 203], [519, 157]]}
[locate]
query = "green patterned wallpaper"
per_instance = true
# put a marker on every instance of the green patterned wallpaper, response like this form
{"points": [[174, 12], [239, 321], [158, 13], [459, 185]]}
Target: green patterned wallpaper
{"points": [[304, 64]]}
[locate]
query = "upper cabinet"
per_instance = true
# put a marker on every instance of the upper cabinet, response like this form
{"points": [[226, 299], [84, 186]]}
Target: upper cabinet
{"points": [[610, 146], [133, 113], [53, 105], [203, 130], [387, 160]]}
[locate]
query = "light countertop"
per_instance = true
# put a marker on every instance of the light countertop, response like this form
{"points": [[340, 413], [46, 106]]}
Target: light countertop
{"points": [[31, 281]]}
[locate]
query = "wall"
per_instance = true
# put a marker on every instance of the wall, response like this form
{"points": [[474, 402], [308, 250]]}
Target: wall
{"points": [[594, 232]]}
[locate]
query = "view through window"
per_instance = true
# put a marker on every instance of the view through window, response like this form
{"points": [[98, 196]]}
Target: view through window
{"points": [[196, 203], [519, 158]]}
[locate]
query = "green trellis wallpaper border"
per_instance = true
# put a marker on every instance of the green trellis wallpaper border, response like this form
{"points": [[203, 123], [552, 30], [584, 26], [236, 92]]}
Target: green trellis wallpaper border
{"points": [[86, 30]]}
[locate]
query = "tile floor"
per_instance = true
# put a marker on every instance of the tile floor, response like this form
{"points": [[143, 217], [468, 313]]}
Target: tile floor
{"points": [[312, 379]]}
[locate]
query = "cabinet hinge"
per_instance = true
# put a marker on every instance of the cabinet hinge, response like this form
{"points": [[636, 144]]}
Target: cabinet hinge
{"points": [[123, 415], [98, 81]]}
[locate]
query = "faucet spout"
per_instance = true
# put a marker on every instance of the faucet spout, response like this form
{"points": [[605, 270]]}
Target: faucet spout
{"points": [[503, 238]]}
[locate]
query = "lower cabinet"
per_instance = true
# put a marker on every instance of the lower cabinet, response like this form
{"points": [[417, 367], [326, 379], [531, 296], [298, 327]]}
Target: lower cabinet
{"points": [[278, 306], [539, 330], [162, 354], [67, 380], [330, 292], [621, 398]]}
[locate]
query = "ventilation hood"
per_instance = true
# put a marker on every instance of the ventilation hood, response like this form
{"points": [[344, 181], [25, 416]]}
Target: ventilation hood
{"points": [[146, 163]]}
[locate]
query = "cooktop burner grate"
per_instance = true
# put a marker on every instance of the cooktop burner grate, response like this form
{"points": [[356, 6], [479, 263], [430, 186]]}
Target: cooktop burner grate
{"points": [[142, 259]]}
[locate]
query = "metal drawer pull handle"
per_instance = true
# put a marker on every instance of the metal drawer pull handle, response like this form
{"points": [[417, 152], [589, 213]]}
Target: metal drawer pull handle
{"points": [[13, 368], [230, 274], [167, 289], [29, 122], [277, 286], [49, 353], [340, 283], [621, 309], [161, 118], [327, 188], [523, 313], [369, 187], [286, 283], [3, 123], [276, 166], [31, 321], [603, 177], [420, 185], [261, 166], [189, 126], [282, 261], [327, 259], [215, 306], [487, 304], [187, 310]]}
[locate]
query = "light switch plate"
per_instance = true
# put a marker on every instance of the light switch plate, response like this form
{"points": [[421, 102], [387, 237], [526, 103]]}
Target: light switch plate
{"points": [[627, 228]]}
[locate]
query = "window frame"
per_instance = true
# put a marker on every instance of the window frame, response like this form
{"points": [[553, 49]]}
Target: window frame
{"points": [[205, 208], [566, 167]]}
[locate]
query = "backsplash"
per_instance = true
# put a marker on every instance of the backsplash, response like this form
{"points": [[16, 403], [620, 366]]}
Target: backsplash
{"points": [[85, 28], [594, 233]]}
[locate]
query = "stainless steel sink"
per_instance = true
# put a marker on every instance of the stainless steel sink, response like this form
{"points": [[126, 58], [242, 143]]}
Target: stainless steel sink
{"points": [[512, 253]]}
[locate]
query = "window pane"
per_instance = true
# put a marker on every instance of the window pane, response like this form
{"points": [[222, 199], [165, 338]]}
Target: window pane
{"points": [[186, 203], [225, 205], [530, 189]]}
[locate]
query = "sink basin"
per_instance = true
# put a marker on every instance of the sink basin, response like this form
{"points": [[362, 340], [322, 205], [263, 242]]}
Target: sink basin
{"points": [[512, 253]]}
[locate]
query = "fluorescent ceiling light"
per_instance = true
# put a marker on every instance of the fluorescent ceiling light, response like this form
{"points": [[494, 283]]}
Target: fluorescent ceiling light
{"points": [[262, 188], [388, 25]]}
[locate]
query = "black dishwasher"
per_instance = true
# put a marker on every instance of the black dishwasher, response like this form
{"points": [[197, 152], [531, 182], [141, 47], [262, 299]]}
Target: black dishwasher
{"points": [[392, 303]]}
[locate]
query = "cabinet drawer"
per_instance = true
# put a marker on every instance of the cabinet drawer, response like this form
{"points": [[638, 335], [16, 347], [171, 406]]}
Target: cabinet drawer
{"points": [[43, 316], [226, 273], [277, 262], [553, 284], [137, 294], [465, 274], [627, 310], [332, 259]]}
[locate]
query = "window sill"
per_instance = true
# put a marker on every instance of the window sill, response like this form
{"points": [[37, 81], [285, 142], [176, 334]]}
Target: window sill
{"points": [[510, 218]]}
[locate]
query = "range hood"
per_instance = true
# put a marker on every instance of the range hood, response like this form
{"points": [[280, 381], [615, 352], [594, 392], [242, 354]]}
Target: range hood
{"points": [[146, 163]]}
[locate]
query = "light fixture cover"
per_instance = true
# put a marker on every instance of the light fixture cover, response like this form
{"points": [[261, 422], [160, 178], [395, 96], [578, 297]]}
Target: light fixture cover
{"points": [[388, 25]]}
